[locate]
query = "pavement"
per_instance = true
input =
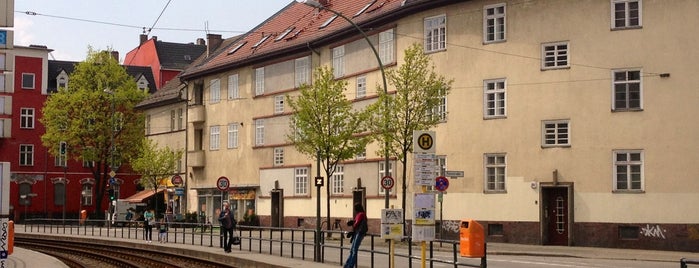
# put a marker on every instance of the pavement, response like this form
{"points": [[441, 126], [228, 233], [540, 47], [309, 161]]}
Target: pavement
{"points": [[26, 258]]}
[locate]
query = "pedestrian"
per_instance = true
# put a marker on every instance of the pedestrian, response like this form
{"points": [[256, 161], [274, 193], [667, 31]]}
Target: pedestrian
{"points": [[359, 229], [162, 231], [227, 225], [148, 223]]}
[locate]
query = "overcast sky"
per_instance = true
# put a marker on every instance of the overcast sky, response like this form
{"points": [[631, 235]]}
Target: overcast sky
{"points": [[69, 27]]}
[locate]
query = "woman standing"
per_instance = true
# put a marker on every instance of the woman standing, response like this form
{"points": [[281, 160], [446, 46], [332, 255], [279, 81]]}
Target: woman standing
{"points": [[149, 221], [359, 229]]}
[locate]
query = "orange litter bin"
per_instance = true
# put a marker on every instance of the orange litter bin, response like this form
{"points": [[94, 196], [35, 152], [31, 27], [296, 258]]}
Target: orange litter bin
{"points": [[471, 239]]}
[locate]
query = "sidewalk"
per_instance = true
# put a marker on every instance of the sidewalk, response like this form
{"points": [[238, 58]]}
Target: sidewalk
{"points": [[589, 252]]}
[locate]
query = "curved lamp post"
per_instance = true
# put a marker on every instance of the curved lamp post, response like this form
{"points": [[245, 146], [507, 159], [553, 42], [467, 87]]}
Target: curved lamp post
{"points": [[318, 5]]}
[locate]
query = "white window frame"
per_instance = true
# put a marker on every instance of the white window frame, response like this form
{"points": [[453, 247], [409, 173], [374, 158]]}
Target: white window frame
{"points": [[278, 156], [173, 120], [622, 170], [301, 70], [279, 104], [495, 173], [361, 86], [555, 133], [382, 173], [361, 155], [26, 116], [215, 89], [60, 160], [440, 111], [494, 23], [214, 137], [627, 85], [180, 118], [233, 135], [387, 46], [435, 33], [337, 183], [627, 14], [495, 98], [233, 91], [259, 81], [2, 104], [339, 61], [301, 181], [2, 83], [26, 155], [27, 76], [553, 56], [259, 132], [86, 194]]}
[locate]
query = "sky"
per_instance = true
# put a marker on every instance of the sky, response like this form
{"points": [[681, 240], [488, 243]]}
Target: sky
{"points": [[70, 27]]}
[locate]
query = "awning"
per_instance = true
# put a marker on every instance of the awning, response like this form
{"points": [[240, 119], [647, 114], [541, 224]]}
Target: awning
{"points": [[140, 196]]}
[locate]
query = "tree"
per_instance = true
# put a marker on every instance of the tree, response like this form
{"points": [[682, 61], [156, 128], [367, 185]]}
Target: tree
{"points": [[415, 106], [325, 125], [94, 115], [154, 164]]}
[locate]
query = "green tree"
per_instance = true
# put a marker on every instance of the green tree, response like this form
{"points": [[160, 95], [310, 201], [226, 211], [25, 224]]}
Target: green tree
{"points": [[94, 115], [414, 106], [325, 125], [154, 164]]}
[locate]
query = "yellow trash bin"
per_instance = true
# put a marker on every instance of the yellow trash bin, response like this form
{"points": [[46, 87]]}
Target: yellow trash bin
{"points": [[471, 239]]}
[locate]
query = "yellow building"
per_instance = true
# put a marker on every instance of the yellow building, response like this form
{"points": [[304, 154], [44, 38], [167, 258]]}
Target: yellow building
{"points": [[573, 121]]}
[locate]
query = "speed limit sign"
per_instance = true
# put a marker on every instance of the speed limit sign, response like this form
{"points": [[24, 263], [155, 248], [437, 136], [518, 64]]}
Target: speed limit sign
{"points": [[222, 183], [387, 182]]}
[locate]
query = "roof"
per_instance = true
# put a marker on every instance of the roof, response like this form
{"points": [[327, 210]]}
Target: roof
{"points": [[177, 56], [138, 71], [298, 27], [56, 66], [170, 93]]}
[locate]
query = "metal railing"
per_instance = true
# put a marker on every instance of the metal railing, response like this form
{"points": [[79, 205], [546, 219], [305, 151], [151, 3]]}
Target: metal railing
{"points": [[286, 242], [685, 261]]}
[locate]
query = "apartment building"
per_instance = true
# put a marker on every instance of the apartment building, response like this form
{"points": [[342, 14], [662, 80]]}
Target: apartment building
{"points": [[572, 121]]}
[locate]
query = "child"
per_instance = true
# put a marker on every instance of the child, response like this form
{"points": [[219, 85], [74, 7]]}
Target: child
{"points": [[162, 231]]}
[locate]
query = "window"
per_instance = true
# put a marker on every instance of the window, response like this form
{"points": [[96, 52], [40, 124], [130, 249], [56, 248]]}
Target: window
{"points": [[259, 132], [142, 83], [59, 193], [2, 82], [215, 88], [233, 92], [3, 62], [60, 161], [86, 195], [436, 33], [264, 38], [232, 135], [495, 167], [339, 61], [494, 98], [214, 138], [628, 170], [626, 14], [283, 34], [440, 162], [364, 8], [301, 181], [173, 120], [26, 118], [259, 81], [278, 104], [361, 155], [198, 93], [2, 104], [337, 183], [440, 111], [180, 118], [27, 81], [382, 173], [26, 155], [278, 156], [148, 124], [386, 46], [301, 67], [361, 86], [555, 133], [627, 90], [554, 55], [494, 23], [88, 163], [237, 47]]}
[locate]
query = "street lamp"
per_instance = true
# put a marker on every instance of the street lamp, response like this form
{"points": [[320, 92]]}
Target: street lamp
{"points": [[318, 5], [112, 154]]}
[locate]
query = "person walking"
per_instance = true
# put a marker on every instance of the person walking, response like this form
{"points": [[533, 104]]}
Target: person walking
{"points": [[148, 223], [227, 225], [359, 230], [162, 231]]}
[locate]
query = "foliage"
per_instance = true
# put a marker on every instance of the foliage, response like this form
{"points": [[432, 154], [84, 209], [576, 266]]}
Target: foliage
{"points": [[325, 125], [94, 115], [154, 164]]}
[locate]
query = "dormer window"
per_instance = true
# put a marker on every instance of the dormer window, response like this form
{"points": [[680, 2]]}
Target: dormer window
{"points": [[364, 8], [261, 41], [327, 22], [187, 57], [142, 83], [281, 36], [237, 47]]}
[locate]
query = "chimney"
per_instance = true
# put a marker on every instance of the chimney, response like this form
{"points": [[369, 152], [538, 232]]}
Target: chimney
{"points": [[200, 41], [115, 55], [325, 3], [213, 41], [143, 39]]}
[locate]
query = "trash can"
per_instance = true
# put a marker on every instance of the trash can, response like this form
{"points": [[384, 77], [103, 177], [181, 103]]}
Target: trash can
{"points": [[471, 239]]}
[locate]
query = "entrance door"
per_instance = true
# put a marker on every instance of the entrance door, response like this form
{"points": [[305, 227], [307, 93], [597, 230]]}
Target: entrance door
{"points": [[277, 208], [556, 215]]}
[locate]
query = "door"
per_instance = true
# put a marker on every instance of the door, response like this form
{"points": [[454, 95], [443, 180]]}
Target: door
{"points": [[556, 215], [277, 208]]}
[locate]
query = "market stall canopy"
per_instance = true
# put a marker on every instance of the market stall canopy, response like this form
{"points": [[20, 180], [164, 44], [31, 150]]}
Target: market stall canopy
{"points": [[142, 195]]}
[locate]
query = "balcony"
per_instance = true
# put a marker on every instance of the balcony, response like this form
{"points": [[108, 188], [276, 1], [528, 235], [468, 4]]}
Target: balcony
{"points": [[197, 114], [196, 159]]}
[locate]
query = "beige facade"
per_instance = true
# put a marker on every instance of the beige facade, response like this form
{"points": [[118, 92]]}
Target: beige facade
{"points": [[573, 119]]}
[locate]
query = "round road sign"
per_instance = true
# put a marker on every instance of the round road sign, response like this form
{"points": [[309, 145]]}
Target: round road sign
{"points": [[441, 183], [176, 180], [387, 182], [222, 183]]}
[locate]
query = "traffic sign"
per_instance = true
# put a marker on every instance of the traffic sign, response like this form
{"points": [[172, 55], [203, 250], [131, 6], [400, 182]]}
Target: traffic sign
{"points": [[222, 183], [176, 180], [441, 183], [387, 182], [319, 182], [424, 141], [454, 173]]}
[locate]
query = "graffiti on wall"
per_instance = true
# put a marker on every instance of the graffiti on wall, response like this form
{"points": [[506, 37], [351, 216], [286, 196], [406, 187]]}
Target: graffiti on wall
{"points": [[451, 226], [653, 231]]}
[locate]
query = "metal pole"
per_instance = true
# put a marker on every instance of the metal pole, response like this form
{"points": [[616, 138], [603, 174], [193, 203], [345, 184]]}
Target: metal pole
{"points": [[65, 188], [316, 238]]}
